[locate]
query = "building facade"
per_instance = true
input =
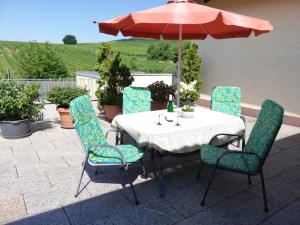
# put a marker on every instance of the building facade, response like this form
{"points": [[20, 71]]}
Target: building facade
{"points": [[264, 67]]}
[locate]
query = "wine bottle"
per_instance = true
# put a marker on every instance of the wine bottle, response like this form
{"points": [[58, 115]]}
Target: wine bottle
{"points": [[170, 104]]}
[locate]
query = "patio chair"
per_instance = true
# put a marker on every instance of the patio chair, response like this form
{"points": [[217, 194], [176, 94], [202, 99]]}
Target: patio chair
{"points": [[227, 100], [98, 152], [136, 99], [251, 159]]}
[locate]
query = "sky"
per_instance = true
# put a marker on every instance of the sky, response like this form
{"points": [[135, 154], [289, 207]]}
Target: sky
{"points": [[41, 20]]}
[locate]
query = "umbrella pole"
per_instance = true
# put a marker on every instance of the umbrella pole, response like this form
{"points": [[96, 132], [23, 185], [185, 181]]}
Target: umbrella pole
{"points": [[179, 70]]}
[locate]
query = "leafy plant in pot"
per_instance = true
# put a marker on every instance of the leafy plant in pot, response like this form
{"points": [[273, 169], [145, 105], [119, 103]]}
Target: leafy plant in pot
{"points": [[62, 96], [18, 105], [114, 77], [160, 93], [188, 111]]}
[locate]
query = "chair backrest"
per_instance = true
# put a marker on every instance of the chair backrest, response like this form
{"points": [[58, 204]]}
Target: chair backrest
{"points": [[265, 129], [86, 122], [226, 100], [136, 99]]}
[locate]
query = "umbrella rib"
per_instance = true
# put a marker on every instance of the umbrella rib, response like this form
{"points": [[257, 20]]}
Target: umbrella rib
{"points": [[204, 28], [165, 28]]}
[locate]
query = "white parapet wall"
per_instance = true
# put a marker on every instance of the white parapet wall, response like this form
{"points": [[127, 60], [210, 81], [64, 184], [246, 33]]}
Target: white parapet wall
{"points": [[88, 80], [145, 79]]}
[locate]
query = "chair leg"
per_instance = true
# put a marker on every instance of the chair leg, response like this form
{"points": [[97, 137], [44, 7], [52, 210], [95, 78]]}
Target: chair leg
{"points": [[144, 172], [249, 180], [161, 176], [97, 170], [199, 172], [81, 175], [264, 191], [121, 138], [208, 186], [117, 138], [131, 185]]}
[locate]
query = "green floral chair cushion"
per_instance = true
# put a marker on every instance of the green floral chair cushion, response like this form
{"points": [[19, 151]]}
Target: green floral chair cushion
{"points": [[227, 100], [260, 142], [136, 99], [265, 129], [108, 156], [90, 132], [82, 110], [248, 164]]}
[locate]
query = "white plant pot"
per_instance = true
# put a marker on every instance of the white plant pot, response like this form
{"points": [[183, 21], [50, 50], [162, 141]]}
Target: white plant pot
{"points": [[187, 115]]}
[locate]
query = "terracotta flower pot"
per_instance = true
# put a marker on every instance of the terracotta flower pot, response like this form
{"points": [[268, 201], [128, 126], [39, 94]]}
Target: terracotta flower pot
{"points": [[65, 118], [158, 105], [111, 111]]}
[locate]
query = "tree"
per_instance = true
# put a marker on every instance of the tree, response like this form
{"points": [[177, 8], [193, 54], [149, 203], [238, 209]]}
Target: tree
{"points": [[69, 40], [191, 69], [41, 61], [114, 76], [161, 51]]}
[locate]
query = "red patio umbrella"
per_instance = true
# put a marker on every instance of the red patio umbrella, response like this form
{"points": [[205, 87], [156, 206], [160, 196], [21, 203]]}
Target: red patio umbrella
{"points": [[184, 20]]}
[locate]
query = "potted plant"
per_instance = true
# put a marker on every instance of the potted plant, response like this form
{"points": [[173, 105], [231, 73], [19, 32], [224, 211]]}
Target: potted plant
{"points": [[114, 77], [18, 105], [62, 96], [160, 94], [188, 111]]}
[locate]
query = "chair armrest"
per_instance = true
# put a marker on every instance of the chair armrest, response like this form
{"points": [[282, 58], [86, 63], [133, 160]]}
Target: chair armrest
{"points": [[109, 146], [237, 152], [112, 130], [238, 136]]}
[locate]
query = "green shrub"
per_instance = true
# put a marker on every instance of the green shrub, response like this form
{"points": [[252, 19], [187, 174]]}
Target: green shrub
{"points": [[69, 40], [114, 76], [161, 51], [41, 61], [62, 96], [160, 91], [191, 73], [18, 102]]}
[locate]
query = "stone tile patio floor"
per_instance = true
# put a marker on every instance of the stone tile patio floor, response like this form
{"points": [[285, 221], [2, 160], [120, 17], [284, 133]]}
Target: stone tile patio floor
{"points": [[38, 177]]}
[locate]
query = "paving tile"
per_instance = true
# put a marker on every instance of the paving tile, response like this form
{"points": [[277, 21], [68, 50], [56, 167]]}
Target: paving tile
{"points": [[244, 208], [106, 183], [277, 163], [182, 176], [153, 212], [291, 176], [288, 216], [51, 217], [208, 216], [229, 184], [17, 142], [92, 210], [284, 143], [293, 152], [278, 192], [8, 175], [148, 189], [5, 154], [188, 201], [102, 221], [35, 169], [52, 199], [11, 207]]}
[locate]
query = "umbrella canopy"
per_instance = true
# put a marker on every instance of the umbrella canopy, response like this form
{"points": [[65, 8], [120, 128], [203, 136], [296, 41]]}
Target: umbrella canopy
{"points": [[185, 20]]}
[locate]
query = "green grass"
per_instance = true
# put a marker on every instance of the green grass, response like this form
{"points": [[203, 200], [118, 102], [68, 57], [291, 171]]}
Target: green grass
{"points": [[83, 56]]}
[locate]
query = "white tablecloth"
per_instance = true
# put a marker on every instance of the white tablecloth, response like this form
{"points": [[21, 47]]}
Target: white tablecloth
{"points": [[187, 137]]}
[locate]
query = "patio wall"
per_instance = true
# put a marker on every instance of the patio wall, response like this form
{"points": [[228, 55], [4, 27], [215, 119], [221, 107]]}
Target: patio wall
{"points": [[89, 79], [263, 67]]}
